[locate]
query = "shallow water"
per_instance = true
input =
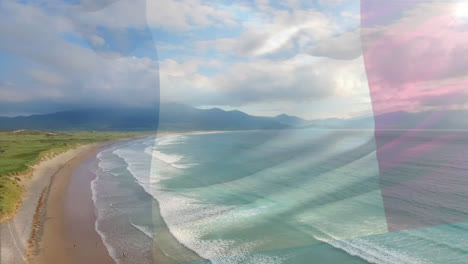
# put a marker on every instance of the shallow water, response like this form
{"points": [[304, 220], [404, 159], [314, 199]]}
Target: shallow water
{"points": [[289, 196]]}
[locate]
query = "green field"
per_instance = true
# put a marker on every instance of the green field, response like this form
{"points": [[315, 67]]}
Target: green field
{"points": [[19, 150]]}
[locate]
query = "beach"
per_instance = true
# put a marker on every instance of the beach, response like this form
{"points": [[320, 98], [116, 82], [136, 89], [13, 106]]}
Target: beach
{"points": [[183, 198], [56, 222], [63, 231], [37, 233]]}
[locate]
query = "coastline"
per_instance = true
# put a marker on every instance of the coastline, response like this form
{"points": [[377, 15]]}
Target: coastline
{"points": [[51, 240], [16, 232], [46, 229], [126, 239]]}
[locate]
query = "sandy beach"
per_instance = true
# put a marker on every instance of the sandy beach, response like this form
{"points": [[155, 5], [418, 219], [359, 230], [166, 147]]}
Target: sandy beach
{"points": [[16, 233], [56, 222], [57, 236], [37, 234]]}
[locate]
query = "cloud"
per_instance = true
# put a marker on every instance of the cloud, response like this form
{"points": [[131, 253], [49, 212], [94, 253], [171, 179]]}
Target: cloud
{"points": [[47, 77], [256, 76], [346, 46], [300, 79], [96, 40], [277, 31], [91, 54], [58, 71], [332, 3], [183, 83], [14, 93], [416, 62], [170, 15], [36, 35]]}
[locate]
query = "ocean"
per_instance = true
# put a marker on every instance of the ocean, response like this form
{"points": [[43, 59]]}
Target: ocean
{"points": [[263, 197]]}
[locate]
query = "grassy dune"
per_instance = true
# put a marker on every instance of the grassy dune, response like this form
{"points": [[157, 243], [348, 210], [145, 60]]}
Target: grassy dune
{"points": [[19, 150]]}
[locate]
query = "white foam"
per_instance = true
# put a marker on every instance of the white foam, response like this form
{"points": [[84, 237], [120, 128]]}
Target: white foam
{"points": [[370, 252], [167, 158], [139, 165], [171, 159], [144, 229], [187, 218], [106, 165], [105, 239], [136, 162], [249, 259], [169, 140], [184, 166], [190, 221], [149, 150]]}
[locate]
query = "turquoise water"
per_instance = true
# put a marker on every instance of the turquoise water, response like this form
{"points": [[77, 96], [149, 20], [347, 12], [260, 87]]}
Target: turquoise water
{"points": [[290, 196]]}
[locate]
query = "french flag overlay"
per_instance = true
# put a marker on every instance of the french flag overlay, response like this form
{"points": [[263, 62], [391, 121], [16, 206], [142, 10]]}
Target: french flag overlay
{"points": [[416, 70], [382, 195], [281, 197], [288, 131]]}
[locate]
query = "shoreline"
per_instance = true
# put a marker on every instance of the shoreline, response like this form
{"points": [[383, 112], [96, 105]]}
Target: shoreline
{"points": [[41, 230], [153, 250], [18, 231], [51, 240]]}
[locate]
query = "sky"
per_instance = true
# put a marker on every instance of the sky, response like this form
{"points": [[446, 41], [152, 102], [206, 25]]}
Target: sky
{"points": [[311, 58]]}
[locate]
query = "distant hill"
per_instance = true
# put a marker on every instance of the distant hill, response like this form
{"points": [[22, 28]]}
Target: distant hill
{"points": [[87, 119], [180, 117], [290, 120], [447, 119], [172, 117], [450, 119], [183, 117]]}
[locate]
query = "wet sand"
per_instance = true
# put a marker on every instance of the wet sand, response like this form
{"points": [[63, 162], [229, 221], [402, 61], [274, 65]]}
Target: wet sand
{"points": [[15, 233], [64, 227], [63, 216]]}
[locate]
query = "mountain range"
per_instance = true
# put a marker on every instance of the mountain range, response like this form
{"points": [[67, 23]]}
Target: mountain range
{"points": [[180, 117], [171, 117]]}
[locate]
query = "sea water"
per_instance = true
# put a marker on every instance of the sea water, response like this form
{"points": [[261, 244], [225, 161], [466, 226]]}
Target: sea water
{"points": [[286, 196]]}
